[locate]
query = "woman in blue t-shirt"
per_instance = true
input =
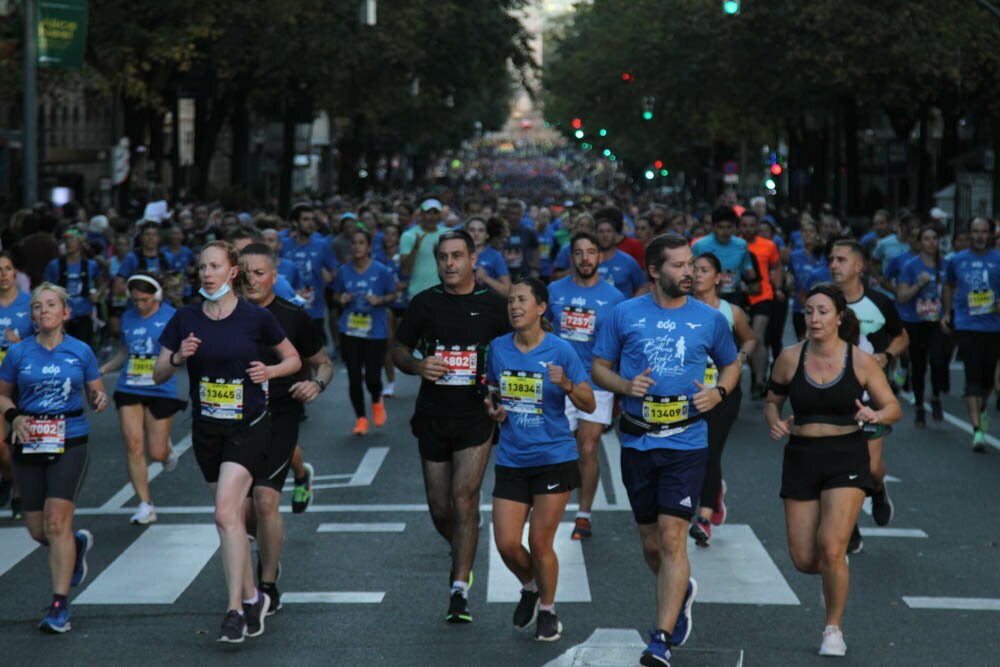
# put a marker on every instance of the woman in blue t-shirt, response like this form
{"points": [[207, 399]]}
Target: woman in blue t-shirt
{"points": [[530, 373], [145, 409], [50, 371], [15, 324], [491, 269], [364, 288], [387, 253], [219, 341]]}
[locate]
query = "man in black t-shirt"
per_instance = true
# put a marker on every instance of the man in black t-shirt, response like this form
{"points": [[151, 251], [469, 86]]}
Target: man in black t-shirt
{"points": [[286, 396], [451, 326]]}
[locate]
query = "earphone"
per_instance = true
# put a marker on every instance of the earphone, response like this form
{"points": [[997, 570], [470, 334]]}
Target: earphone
{"points": [[158, 295]]}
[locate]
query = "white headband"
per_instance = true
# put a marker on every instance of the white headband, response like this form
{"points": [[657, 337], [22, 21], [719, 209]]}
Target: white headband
{"points": [[158, 295]]}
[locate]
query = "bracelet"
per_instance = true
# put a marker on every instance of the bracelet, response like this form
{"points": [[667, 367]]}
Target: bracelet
{"points": [[171, 360], [11, 415]]}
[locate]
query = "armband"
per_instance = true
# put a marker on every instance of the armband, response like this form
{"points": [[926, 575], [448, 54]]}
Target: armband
{"points": [[777, 387]]}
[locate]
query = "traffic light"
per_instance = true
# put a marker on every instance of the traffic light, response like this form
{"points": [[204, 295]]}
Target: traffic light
{"points": [[649, 175], [603, 132], [578, 134], [577, 123], [776, 169], [731, 7], [647, 107], [658, 164], [626, 76]]}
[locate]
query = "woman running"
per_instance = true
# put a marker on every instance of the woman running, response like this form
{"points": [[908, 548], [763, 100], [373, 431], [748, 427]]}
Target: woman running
{"points": [[364, 288], [49, 373], [530, 373], [825, 475], [491, 269], [15, 324], [145, 409], [387, 254], [219, 340], [712, 511], [918, 295]]}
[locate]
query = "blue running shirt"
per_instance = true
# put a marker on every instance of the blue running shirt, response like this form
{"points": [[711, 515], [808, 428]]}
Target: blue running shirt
{"points": [[977, 286], [622, 272], [578, 314], [17, 318], [310, 259], [141, 338], [359, 318], [734, 257], [925, 306]]}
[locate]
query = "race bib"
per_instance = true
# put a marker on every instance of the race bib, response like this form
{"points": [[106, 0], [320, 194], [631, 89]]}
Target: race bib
{"points": [[139, 371], [462, 363], [3, 354], [728, 283], [577, 324], [711, 376], [664, 409], [45, 436], [514, 257], [521, 391], [929, 309], [544, 250], [982, 302], [359, 324], [221, 399]]}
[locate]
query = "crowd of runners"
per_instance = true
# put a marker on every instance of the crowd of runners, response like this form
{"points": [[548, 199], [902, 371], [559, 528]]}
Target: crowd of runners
{"points": [[534, 329]]}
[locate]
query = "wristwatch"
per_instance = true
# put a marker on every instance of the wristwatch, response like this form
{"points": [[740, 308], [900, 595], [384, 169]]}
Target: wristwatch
{"points": [[722, 391], [320, 384]]}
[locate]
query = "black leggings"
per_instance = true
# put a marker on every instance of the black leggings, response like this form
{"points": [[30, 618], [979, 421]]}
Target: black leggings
{"points": [[720, 419], [775, 334], [359, 353], [928, 343]]}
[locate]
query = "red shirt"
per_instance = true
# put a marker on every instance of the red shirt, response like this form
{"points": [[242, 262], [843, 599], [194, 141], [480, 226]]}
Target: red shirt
{"points": [[634, 247]]}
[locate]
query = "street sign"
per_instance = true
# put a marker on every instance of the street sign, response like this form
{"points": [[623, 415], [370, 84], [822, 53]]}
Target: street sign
{"points": [[730, 167], [120, 163], [62, 33]]}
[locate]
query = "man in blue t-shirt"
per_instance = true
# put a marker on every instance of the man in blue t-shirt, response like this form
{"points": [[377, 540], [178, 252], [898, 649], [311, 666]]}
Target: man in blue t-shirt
{"points": [[81, 279], [971, 285], [660, 343], [313, 257], [617, 268], [579, 305], [739, 271]]}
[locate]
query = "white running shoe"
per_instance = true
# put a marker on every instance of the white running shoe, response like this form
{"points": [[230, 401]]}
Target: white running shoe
{"points": [[145, 514], [171, 463], [833, 642], [389, 390]]}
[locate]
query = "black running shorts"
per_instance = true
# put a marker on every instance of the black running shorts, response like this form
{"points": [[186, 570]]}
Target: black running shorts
{"points": [[59, 476], [161, 407], [813, 465], [523, 484], [215, 443], [440, 437]]}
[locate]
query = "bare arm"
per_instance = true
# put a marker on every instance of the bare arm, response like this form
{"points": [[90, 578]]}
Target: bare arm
{"points": [[115, 362], [878, 388], [429, 368], [744, 334], [322, 368]]}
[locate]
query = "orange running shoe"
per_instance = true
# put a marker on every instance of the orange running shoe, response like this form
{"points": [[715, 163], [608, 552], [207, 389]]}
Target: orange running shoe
{"points": [[361, 427], [378, 413]]}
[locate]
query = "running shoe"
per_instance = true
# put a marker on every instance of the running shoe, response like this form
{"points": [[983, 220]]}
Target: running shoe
{"points": [[701, 531], [171, 463], [527, 609], [360, 427], [833, 642], [855, 544], [302, 493], [234, 628], [920, 421], [882, 506], [458, 608], [255, 614], [274, 596], [84, 542], [16, 509], [582, 529], [682, 628], [657, 653], [6, 486], [389, 390], [56, 619], [145, 514], [936, 412], [899, 376], [378, 413], [979, 441], [547, 627], [720, 512]]}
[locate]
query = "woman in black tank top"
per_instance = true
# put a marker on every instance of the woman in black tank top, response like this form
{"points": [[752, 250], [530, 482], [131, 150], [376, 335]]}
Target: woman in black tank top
{"points": [[826, 455]]}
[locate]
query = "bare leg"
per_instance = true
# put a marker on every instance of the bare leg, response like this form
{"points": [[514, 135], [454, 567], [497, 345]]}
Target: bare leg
{"points": [[548, 510], [588, 437], [270, 531], [839, 510], [130, 417], [58, 526], [509, 517], [229, 493]]}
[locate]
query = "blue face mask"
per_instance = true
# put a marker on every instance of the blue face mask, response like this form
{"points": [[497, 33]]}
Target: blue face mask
{"points": [[221, 292]]}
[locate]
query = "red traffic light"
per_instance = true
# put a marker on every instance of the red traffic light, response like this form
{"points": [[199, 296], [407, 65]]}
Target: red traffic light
{"points": [[776, 169], [658, 164], [577, 123], [626, 76]]}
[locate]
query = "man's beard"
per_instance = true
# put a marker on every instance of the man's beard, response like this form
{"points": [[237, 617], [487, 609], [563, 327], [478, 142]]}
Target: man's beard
{"points": [[586, 276], [672, 289]]}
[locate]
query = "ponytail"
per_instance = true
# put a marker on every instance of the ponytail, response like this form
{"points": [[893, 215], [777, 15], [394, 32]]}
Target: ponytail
{"points": [[850, 327]]}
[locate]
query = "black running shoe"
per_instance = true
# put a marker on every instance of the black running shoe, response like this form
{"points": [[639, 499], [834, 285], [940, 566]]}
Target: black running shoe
{"points": [[234, 628], [881, 507], [255, 613], [855, 544], [936, 412], [547, 627], [16, 509], [527, 609], [274, 596], [458, 609]]}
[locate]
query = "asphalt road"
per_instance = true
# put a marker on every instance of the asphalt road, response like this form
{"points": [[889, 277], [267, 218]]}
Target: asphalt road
{"points": [[370, 572]]}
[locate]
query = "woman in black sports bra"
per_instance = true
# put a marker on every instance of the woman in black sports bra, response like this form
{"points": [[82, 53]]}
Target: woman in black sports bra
{"points": [[826, 456]]}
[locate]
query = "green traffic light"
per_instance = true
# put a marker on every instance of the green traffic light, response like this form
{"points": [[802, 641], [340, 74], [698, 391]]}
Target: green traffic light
{"points": [[647, 115], [664, 172], [731, 7], [607, 152], [603, 132], [578, 134]]}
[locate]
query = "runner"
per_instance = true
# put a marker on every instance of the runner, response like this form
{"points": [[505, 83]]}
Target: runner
{"points": [[881, 325], [712, 509], [491, 269], [617, 267], [765, 255], [661, 342], [918, 299], [972, 283], [80, 277], [48, 434], [219, 341], [145, 409], [285, 399], [739, 271], [15, 324], [803, 262], [363, 289], [536, 461], [579, 304], [451, 325], [313, 258], [826, 471], [387, 253]]}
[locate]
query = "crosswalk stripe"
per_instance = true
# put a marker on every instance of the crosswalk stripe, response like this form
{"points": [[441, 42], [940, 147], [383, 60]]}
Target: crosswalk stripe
{"points": [[891, 532], [964, 604], [155, 569], [127, 492], [15, 545], [361, 528], [572, 585], [736, 569], [613, 450], [332, 598]]}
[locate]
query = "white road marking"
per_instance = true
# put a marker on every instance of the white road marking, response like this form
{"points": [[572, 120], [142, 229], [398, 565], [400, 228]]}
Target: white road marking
{"points": [[958, 423], [613, 451], [620, 646], [287, 509], [332, 598], [891, 532], [155, 569], [15, 545], [127, 492], [963, 604], [361, 528], [368, 468], [736, 569], [572, 585]]}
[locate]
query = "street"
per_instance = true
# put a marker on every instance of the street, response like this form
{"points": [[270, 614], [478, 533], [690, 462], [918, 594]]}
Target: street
{"points": [[364, 571]]}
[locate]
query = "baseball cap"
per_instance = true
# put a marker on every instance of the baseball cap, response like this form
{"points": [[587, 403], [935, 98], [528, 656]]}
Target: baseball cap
{"points": [[348, 216], [938, 213], [431, 204]]}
